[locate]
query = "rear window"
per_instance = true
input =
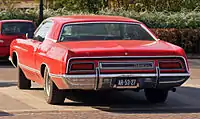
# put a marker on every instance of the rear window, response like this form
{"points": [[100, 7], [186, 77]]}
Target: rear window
{"points": [[104, 31], [17, 28]]}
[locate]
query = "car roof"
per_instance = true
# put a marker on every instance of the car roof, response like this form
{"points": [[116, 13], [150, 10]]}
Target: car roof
{"points": [[90, 18], [15, 20]]}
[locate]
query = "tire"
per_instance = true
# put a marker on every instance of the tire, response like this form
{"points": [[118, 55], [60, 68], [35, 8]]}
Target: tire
{"points": [[53, 95], [23, 82], [156, 95]]}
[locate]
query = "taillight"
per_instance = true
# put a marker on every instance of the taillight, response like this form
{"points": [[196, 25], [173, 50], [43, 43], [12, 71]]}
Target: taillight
{"points": [[81, 66], [170, 65]]}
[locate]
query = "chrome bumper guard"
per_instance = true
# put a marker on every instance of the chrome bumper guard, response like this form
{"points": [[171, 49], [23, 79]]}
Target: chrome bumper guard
{"points": [[144, 80]]}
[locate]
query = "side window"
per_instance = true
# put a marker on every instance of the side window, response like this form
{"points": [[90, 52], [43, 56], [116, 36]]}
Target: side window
{"points": [[67, 31], [43, 31]]}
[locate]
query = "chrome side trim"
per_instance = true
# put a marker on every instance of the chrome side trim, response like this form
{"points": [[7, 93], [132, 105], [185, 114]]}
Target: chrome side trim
{"points": [[77, 76], [38, 71], [179, 81], [175, 75], [57, 75], [29, 68]]}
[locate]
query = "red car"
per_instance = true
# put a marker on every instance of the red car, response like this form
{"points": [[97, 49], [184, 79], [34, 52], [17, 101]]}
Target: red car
{"points": [[98, 53], [10, 30]]}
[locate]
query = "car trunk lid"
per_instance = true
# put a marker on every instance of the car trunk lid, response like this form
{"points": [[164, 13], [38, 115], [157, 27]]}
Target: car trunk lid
{"points": [[118, 48]]}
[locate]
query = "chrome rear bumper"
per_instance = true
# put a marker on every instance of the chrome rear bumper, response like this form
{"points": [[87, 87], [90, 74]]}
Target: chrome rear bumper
{"points": [[98, 80], [105, 81]]}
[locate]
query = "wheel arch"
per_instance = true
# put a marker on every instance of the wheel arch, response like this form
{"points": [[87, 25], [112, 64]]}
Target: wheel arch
{"points": [[58, 82], [15, 60], [42, 69]]}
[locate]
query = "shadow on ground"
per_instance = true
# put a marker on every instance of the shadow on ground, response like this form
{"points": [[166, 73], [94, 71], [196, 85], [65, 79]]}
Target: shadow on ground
{"points": [[132, 102], [5, 64], [7, 84]]}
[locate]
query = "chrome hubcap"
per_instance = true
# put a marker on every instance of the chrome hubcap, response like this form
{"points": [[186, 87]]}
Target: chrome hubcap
{"points": [[47, 84]]}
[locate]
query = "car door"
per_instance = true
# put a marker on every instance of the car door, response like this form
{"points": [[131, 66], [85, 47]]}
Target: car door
{"points": [[33, 44]]}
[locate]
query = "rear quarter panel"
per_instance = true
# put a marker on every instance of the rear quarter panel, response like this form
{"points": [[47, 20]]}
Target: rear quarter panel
{"points": [[53, 54], [54, 59]]}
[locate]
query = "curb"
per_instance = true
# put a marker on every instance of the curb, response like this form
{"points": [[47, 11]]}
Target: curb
{"points": [[184, 109], [195, 56]]}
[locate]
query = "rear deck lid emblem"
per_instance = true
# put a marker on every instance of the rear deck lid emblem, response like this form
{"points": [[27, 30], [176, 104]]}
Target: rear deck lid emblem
{"points": [[1, 41]]}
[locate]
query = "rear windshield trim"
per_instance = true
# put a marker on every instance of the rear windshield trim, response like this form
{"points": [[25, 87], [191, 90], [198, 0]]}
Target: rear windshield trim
{"points": [[79, 23]]}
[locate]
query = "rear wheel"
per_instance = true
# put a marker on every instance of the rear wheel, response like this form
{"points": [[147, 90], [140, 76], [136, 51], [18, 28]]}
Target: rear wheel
{"points": [[53, 94], [156, 95], [23, 82]]}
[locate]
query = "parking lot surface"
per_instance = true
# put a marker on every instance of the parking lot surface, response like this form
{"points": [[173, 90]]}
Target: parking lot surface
{"points": [[15, 103]]}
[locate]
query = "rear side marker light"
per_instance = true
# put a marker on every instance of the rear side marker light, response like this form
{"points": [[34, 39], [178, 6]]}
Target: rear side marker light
{"points": [[81, 66]]}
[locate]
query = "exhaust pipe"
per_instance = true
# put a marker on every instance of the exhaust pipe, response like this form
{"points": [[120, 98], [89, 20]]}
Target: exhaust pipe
{"points": [[173, 89]]}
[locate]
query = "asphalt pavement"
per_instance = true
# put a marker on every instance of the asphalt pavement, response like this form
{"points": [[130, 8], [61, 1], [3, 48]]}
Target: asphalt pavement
{"points": [[15, 103]]}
